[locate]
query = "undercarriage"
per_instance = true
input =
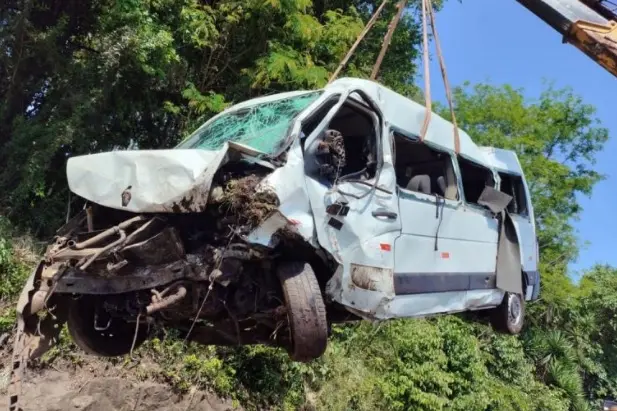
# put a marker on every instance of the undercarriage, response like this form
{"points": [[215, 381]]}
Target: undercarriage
{"points": [[117, 277]]}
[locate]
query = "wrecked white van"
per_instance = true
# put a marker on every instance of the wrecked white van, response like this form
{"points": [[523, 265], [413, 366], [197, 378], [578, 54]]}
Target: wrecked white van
{"points": [[280, 216]]}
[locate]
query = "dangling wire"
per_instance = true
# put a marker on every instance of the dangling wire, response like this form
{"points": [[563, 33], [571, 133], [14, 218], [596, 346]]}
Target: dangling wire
{"points": [[361, 36]]}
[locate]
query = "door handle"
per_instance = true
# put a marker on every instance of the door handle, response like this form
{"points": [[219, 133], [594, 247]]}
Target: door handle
{"points": [[382, 212]]}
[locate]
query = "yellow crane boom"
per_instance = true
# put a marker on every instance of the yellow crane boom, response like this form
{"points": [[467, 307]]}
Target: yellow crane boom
{"points": [[589, 25]]}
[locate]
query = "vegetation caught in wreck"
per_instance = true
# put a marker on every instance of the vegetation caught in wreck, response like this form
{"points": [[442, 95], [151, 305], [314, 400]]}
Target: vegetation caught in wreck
{"points": [[80, 77]]}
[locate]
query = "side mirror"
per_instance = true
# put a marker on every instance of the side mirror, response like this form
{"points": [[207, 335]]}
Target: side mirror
{"points": [[494, 200]]}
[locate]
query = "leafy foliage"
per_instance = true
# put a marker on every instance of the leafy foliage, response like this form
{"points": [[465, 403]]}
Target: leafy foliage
{"points": [[15, 262]]}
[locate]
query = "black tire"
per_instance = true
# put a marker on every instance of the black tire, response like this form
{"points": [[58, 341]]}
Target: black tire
{"points": [[113, 342], [306, 311], [509, 316]]}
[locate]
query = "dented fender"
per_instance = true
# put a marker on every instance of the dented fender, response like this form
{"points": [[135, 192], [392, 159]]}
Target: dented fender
{"points": [[289, 184], [152, 181], [364, 282], [38, 333]]}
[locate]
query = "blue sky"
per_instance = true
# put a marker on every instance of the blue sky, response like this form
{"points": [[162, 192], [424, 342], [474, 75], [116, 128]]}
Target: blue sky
{"points": [[501, 42]]}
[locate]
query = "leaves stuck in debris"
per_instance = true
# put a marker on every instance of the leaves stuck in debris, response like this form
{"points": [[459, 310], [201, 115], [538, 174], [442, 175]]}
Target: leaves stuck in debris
{"points": [[249, 205]]}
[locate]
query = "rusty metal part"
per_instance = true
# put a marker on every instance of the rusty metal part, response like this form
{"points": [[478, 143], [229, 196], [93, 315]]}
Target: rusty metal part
{"points": [[59, 251], [34, 334], [244, 253], [114, 267], [70, 254], [89, 220], [109, 232], [597, 41], [105, 249], [143, 278], [164, 247], [74, 223], [167, 301], [37, 302], [144, 228]]}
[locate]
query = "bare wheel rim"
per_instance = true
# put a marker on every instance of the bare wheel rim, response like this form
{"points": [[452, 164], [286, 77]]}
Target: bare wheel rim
{"points": [[515, 311]]}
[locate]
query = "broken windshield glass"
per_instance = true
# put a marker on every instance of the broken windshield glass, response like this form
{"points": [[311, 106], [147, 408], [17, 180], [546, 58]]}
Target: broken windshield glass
{"points": [[262, 126]]}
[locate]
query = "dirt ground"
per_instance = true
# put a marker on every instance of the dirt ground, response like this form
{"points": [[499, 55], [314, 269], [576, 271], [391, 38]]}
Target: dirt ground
{"points": [[99, 386]]}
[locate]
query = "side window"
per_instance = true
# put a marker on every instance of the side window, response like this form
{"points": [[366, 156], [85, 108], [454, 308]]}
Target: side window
{"points": [[513, 186], [423, 169], [474, 177], [347, 149]]}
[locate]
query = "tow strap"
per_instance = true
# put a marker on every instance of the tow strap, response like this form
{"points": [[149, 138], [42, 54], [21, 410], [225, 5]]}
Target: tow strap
{"points": [[427, 14]]}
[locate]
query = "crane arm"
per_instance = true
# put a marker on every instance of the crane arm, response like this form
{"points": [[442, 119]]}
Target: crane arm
{"points": [[589, 25]]}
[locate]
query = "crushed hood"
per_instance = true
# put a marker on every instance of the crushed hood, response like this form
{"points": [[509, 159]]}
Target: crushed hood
{"points": [[140, 181]]}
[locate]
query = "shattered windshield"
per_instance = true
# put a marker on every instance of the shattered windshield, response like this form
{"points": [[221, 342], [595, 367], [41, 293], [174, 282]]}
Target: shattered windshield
{"points": [[263, 126]]}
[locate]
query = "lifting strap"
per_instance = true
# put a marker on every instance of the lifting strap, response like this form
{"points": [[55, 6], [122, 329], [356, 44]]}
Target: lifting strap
{"points": [[361, 36], [427, 74], [427, 13], [388, 37], [427, 8]]}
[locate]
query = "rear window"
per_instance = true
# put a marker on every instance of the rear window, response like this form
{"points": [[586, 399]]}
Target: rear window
{"points": [[513, 186]]}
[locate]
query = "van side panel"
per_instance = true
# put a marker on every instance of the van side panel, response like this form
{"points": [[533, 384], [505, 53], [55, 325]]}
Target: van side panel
{"points": [[505, 161]]}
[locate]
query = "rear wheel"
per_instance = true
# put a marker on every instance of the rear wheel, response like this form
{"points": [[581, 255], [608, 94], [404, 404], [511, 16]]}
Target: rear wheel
{"points": [[306, 311], [509, 316], [105, 337]]}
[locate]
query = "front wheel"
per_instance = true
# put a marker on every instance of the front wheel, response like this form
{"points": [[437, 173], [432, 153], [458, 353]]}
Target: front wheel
{"points": [[509, 316], [306, 311], [100, 335]]}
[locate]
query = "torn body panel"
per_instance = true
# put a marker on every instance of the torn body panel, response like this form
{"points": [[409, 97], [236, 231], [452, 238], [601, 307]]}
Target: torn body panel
{"points": [[152, 181], [290, 187], [157, 180]]}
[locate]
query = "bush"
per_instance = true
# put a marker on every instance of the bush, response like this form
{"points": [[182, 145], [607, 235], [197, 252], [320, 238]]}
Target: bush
{"points": [[15, 263]]}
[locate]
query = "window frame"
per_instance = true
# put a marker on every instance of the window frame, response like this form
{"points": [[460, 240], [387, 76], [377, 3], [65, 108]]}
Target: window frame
{"points": [[309, 116], [523, 190], [415, 139], [461, 183], [366, 107]]}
